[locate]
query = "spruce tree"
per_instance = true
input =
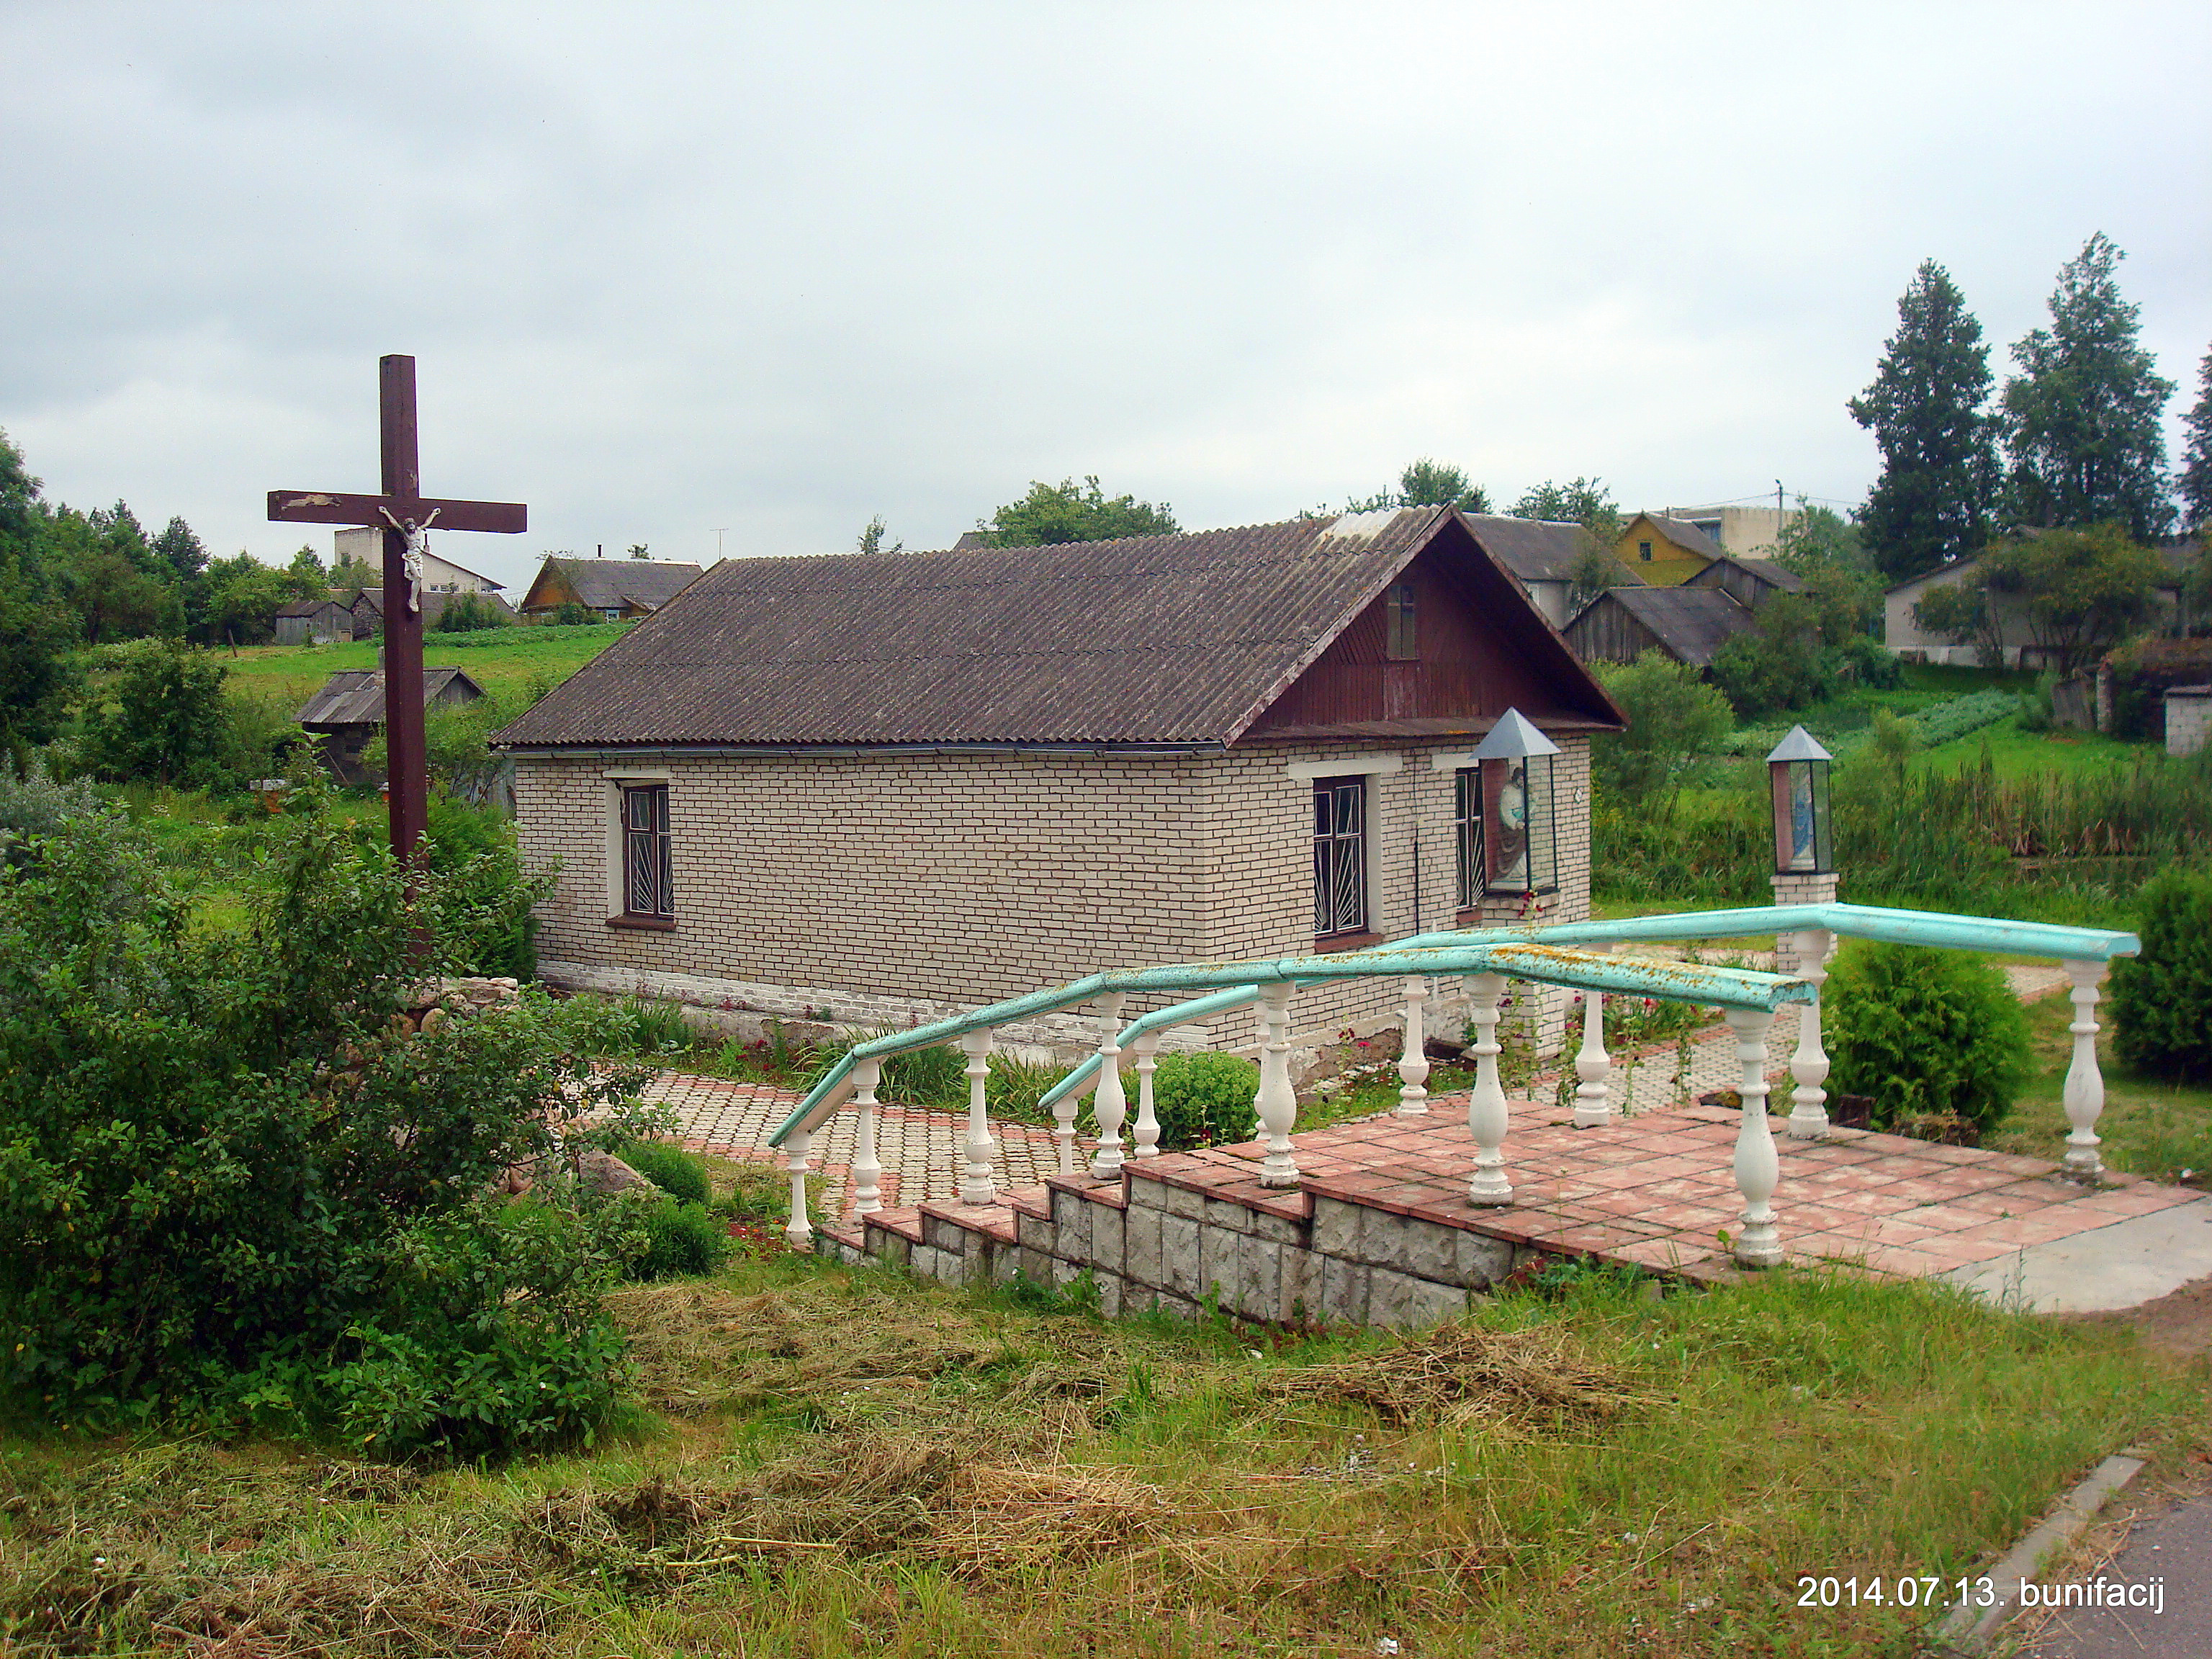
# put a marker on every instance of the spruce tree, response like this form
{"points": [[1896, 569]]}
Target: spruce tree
{"points": [[1939, 466], [2082, 420], [2195, 481]]}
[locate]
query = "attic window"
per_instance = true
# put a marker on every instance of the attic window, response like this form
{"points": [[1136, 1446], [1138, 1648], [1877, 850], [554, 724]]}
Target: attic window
{"points": [[1644, 551], [1400, 640]]}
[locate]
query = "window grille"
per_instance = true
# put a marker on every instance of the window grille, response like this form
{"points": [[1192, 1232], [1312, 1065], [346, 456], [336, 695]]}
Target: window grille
{"points": [[1467, 834], [646, 890], [1339, 856]]}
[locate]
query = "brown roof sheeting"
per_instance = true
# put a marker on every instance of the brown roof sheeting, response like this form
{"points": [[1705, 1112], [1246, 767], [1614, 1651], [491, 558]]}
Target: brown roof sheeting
{"points": [[609, 584], [1181, 639], [1690, 622], [356, 697], [1535, 549]]}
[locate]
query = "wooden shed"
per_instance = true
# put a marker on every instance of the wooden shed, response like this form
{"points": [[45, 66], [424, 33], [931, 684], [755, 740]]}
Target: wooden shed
{"points": [[1687, 623], [349, 711]]}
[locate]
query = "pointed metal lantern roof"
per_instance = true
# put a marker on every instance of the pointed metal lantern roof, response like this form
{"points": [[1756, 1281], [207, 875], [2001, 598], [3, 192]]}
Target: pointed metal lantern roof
{"points": [[1799, 745], [1512, 737]]}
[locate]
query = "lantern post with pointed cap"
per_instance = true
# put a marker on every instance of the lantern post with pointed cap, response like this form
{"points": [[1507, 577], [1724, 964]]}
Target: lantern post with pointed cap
{"points": [[1804, 836], [1520, 862]]}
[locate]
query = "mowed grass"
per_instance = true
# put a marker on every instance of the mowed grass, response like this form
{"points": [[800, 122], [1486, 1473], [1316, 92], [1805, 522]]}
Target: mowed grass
{"points": [[505, 662], [2149, 1127], [843, 1461]]}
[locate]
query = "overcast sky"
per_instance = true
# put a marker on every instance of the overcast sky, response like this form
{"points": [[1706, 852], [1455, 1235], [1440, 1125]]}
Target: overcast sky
{"points": [[774, 269]]}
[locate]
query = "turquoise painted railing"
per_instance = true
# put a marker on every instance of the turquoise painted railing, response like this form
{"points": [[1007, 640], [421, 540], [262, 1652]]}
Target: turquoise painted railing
{"points": [[1487, 957]]}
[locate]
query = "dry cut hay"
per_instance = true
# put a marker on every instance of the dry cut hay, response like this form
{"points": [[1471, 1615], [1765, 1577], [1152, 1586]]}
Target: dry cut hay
{"points": [[1457, 1375]]}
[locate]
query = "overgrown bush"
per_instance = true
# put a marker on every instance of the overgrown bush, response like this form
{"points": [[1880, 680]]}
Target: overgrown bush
{"points": [[469, 613], [680, 1174], [164, 715], [597, 1027], [1203, 1100], [36, 804], [657, 1237], [1676, 722], [230, 1187], [2162, 1000], [1924, 1031]]}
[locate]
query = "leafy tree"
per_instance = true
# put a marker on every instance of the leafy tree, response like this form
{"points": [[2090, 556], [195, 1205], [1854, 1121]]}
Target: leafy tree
{"points": [[2081, 421], [2080, 591], [240, 597], [232, 1187], [1595, 570], [872, 538], [1069, 511], [179, 548], [1783, 663], [469, 613], [1585, 502], [306, 569], [1816, 535], [1939, 465], [2195, 480], [167, 719], [1425, 483], [36, 674], [636, 550], [111, 595], [1675, 722]]}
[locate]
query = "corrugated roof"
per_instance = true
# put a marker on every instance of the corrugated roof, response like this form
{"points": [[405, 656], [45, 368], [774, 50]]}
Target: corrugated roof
{"points": [[356, 697], [1690, 622], [1151, 638], [308, 607], [1766, 570], [1535, 549], [607, 584]]}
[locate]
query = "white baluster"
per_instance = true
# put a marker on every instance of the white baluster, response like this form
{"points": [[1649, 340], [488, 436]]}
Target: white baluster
{"points": [[867, 1198], [797, 1230], [1109, 1103], [1485, 1102], [1276, 1103], [1413, 1064], [1757, 1165], [1065, 1110], [976, 1186], [1808, 1117], [1592, 1104], [1145, 1047], [2085, 1083]]}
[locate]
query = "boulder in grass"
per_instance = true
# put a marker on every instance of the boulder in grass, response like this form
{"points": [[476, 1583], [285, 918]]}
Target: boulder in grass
{"points": [[604, 1175]]}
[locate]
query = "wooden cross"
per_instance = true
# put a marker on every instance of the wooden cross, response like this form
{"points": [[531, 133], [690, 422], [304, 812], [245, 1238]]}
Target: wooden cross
{"points": [[405, 516]]}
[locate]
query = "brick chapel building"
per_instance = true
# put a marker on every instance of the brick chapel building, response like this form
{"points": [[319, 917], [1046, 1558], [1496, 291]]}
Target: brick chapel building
{"points": [[875, 788]]}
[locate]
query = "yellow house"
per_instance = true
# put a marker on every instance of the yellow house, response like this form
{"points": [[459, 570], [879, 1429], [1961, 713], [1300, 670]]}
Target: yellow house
{"points": [[1666, 552]]}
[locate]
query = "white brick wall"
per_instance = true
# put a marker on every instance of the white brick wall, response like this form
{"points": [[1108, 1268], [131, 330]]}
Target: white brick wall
{"points": [[968, 878]]}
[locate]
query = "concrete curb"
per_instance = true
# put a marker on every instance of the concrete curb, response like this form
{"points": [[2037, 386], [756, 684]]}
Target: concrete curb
{"points": [[1966, 1629]]}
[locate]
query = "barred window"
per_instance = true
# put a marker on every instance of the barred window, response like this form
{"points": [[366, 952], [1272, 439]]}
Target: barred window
{"points": [[646, 888], [1467, 834], [1339, 856]]}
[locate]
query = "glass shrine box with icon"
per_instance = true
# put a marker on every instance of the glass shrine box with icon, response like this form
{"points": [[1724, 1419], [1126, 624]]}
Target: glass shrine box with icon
{"points": [[1521, 835], [1804, 841]]}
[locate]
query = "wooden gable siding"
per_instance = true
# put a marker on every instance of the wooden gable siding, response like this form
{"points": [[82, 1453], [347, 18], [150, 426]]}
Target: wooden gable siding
{"points": [[1467, 666], [1605, 632], [549, 591]]}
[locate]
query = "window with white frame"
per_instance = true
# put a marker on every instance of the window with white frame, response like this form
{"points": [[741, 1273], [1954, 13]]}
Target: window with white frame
{"points": [[646, 890], [1340, 854]]}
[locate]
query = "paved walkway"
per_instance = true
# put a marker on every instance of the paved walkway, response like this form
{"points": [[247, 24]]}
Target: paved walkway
{"points": [[921, 1151]]}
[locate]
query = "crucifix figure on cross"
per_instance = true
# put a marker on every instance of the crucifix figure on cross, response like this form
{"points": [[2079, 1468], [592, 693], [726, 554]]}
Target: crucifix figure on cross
{"points": [[407, 518]]}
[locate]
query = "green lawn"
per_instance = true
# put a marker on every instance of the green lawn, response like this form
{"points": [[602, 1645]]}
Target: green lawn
{"points": [[829, 1461], [2018, 754], [2149, 1127], [505, 662]]}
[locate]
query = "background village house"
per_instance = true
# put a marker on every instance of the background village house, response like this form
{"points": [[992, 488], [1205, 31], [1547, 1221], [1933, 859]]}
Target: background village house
{"points": [[615, 590], [1684, 624], [363, 549], [875, 789], [326, 621], [348, 712]]}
